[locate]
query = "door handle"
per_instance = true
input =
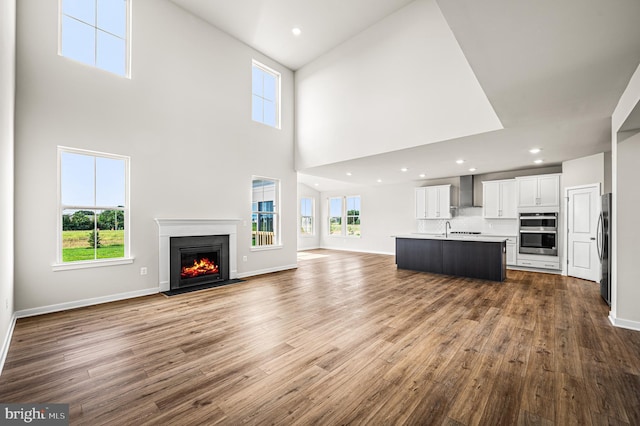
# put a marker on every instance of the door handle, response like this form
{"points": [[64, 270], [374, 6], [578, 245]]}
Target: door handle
{"points": [[600, 228]]}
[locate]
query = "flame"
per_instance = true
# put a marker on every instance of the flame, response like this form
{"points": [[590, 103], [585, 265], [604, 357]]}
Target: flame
{"points": [[200, 267]]}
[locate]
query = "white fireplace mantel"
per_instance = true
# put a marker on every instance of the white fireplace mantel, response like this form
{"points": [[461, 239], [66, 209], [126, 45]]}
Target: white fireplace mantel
{"points": [[168, 228]]}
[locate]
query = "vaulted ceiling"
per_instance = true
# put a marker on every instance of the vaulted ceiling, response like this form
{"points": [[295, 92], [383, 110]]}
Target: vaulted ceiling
{"points": [[553, 71]]}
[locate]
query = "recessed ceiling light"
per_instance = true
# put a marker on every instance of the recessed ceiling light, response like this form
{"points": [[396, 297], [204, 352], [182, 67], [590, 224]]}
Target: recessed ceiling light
{"points": [[348, 173], [473, 169], [538, 161], [535, 150], [317, 184], [422, 175], [296, 31], [379, 181], [404, 169], [459, 161]]}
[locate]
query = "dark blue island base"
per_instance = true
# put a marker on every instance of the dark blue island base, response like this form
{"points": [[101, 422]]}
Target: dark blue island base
{"points": [[485, 260]]}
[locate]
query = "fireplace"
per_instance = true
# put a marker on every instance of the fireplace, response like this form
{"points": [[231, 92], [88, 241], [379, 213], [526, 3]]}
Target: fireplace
{"points": [[170, 229], [198, 260]]}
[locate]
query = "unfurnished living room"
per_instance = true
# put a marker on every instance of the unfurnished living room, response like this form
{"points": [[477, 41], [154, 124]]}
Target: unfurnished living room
{"points": [[319, 212]]}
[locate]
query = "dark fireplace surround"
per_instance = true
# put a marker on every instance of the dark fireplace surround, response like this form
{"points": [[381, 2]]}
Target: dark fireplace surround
{"points": [[198, 260]]}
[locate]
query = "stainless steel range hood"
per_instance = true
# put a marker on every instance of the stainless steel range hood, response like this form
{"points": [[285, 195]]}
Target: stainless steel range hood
{"points": [[466, 191]]}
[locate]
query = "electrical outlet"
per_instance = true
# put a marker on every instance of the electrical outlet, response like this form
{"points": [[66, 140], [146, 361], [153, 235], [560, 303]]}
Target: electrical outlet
{"points": [[143, 270], [244, 258]]}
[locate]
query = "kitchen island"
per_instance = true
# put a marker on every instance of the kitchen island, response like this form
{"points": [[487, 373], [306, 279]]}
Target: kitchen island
{"points": [[464, 256]]}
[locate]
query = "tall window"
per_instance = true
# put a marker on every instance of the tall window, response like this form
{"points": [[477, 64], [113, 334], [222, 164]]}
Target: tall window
{"points": [[344, 210], [353, 216], [265, 89], [93, 206], [306, 216], [265, 219], [95, 32], [335, 216]]}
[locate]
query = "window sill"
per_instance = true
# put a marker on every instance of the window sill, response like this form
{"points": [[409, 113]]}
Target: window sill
{"points": [[84, 264], [265, 248]]}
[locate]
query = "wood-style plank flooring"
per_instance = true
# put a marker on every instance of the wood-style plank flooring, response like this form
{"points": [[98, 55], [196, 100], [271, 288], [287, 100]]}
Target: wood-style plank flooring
{"points": [[344, 339]]}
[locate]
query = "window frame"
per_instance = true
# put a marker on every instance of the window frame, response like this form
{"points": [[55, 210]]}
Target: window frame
{"points": [[60, 265], [311, 218], [127, 39], [347, 215], [278, 93], [344, 218], [330, 217], [277, 241]]}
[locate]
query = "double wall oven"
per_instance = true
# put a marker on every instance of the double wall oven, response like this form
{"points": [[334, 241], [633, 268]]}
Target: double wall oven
{"points": [[539, 233]]}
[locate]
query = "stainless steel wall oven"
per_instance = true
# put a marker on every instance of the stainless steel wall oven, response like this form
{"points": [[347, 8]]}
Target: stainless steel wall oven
{"points": [[539, 233]]}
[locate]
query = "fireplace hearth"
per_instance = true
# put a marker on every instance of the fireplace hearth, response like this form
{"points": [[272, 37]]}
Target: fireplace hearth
{"points": [[198, 260]]}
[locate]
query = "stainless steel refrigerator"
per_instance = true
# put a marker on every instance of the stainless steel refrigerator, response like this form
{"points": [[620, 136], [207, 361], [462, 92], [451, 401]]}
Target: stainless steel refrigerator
{"points": [[604, 247]]}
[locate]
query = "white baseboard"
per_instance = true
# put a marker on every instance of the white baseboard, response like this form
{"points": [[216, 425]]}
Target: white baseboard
{"points": [[24, 313], [623, 323], [266, 271], [310, 248], [7, 341]]}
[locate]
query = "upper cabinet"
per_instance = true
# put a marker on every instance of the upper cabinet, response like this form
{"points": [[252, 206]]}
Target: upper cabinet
{"points": [[433, 202], [499, 199], [542, 191]]}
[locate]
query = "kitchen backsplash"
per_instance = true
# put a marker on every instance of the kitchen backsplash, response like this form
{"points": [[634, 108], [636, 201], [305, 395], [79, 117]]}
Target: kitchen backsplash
{"points": [[470, 219]]}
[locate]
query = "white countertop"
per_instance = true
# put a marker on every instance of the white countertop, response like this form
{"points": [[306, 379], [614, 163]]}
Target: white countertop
{"points": [[455, 237]]}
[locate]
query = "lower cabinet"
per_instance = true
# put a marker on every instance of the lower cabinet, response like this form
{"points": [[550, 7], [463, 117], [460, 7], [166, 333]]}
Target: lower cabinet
{"points": [[542, 264], [512, 251]]}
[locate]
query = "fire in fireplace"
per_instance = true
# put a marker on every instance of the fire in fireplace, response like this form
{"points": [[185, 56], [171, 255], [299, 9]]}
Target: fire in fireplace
{"points": [[198, 260]]}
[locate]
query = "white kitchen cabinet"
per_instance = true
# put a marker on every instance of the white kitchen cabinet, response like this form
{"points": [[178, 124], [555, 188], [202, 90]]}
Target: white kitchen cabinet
{"points": [[433, 202], [499, 199], [539, 191], [512, 251]]}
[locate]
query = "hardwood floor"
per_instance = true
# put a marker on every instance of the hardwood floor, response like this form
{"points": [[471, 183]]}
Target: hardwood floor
{"points": [[344, 339]]}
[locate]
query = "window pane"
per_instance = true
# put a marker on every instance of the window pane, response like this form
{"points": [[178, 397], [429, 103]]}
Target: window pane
{"points": [[84, 10], [77, 229], [306, 225], [78, 41], [353, 205], [335, 207], [305, 207], [110, 182], [270, 113], [109, 240], [76, 183], [112, 16], [257, 109], [257, 81], [269, 87], [335, 226], [111, 53]]}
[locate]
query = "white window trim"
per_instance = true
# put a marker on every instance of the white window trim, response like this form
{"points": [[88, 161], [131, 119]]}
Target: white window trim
{"points": [[59, 265], [278, 76], [278, 237], [345, 216], [127, 42], [343, 230], [313, 218]]}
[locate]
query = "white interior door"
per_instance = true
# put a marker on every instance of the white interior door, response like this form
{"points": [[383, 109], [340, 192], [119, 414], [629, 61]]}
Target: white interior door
{"points": [[582, 220]]}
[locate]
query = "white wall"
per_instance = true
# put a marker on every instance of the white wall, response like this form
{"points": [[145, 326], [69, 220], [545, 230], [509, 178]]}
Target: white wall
{"points": [[310, 242], [584, 171], [627, 200], [184, 118], [386, 210], [7, 97], [625, 290], [401, 83]]}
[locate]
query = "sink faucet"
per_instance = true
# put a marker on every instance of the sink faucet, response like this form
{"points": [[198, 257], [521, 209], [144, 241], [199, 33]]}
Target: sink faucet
{"points": [[447, 226]]}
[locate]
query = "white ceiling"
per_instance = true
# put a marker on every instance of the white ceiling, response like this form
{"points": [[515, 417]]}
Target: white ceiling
{"points": [[552, 70]]}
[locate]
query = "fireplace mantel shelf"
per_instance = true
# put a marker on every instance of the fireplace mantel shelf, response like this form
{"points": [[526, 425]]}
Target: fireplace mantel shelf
{"points": [[182, 227]]}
